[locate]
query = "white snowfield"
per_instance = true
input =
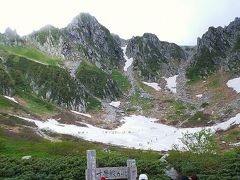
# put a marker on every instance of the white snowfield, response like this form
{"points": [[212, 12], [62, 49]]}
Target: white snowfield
{"points": [[235, 84], [153, 85], [115, 103], [199, 95], [172, 83], [82, 114], [129, 61], [136, 132], [11, 99]]}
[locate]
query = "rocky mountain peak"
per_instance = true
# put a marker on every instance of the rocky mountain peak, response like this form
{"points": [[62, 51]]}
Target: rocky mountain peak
{"points": [[154, 58], [83, 39], [215, 39], [233, 26], [48, 27], [151, 38], [121, 42], [94, 41], [83, 20], [11, 37], [10, 33], [217, 48]]}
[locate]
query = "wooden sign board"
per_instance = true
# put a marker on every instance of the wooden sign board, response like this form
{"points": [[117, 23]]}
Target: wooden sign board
{"points": [[94, 173], [114, 172]]}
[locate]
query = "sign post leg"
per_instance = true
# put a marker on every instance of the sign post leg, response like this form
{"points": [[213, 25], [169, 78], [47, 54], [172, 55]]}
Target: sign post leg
{"points": [[132, 169], [91, 165]]}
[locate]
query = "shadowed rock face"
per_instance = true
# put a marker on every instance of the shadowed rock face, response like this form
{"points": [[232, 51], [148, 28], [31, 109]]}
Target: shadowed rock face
{"points": [[218, 48], [154, 58]]}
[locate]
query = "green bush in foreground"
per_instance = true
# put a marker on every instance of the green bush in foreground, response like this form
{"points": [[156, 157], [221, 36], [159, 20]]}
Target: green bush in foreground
{"points": [[200, 142], [68, 167], [207, 166]]}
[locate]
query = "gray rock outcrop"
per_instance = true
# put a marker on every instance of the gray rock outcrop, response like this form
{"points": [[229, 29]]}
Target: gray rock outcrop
{"points": [[154, 58]]}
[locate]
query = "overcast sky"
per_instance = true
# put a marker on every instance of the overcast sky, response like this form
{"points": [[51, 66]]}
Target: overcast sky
{"points": [[179, 21]]}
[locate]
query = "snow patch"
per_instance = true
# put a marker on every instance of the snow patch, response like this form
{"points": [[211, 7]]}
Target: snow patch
{"points": [[129, 61], [138, 132], [235, 84], [26, 157], [199, 95], [83, 114], [115, 103], [172, 83], [235, 144], [153, 85], [11, 99]]}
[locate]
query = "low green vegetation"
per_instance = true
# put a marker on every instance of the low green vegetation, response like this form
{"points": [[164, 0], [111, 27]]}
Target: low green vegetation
{"points": [[28, 143], [11, 121], [203, 66], [66, 159], [6, 83], [93, 78], [121, 80], [8, 106], [199, 118], [178, 111], [70, 167], [96, 80], [49, 82], [33, 54], [232, 136], [93, 104], [205, 104], [207, 166], [38, 106], [201, 142], [214, 82], [6, 103], [202, 156], [144, 103]]}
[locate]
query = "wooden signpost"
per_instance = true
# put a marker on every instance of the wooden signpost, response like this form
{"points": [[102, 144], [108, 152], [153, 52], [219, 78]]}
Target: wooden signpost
{"points": [[93, 173]]}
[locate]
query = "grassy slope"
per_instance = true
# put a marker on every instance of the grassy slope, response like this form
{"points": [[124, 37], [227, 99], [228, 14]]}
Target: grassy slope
{"points": [[28, 104], [37, 106], [70, 153], [219, 96], [93, 78], [137, 100], [96, 79], [33, 54], [225, 165], [121, 80]]}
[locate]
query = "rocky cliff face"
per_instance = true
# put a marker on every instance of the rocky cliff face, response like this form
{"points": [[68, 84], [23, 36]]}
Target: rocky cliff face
{"points": [[10, 37], [83, 39], [217, 49], [154, 58], [6, 83], [48, 82], [48, 39]]}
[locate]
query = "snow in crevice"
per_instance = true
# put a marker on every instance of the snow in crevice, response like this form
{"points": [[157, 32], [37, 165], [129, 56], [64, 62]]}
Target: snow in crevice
{"points": [[82, 114], [136, 132], [11, 99], [129, 61], [199, 95], [234, 84], [172, 83], [153, 85], [115, 103]]}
